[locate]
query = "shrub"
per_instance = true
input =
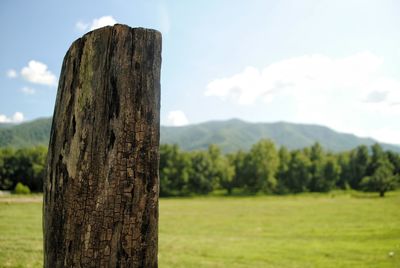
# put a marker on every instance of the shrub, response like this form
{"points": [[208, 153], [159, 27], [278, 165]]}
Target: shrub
{"points": [[21, 189]]}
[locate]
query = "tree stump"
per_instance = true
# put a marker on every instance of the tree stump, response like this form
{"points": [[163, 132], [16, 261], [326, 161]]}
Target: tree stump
{"points": [[101, 187]]}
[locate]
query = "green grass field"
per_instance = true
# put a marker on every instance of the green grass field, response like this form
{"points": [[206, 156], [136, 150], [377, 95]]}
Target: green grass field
{"points": [[330, 230]]}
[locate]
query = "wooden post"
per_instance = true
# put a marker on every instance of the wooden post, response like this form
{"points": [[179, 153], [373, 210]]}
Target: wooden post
{"points": [[101, 187]]}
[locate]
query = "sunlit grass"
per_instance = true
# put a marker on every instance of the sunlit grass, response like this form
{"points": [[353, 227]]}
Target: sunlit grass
{"points": [[322, 230], [20, 234]]}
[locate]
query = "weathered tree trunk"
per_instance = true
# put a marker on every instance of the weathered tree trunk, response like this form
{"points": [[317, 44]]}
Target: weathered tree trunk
{"points": [[101, 187]]}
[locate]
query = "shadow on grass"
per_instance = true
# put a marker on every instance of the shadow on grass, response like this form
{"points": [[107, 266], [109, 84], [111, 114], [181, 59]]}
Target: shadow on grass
{"points": [[369, 195]]}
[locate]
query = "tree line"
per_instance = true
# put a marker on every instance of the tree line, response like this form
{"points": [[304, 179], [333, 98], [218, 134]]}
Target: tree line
{"points": [[264, 169], [25, 166], [271, 170]]}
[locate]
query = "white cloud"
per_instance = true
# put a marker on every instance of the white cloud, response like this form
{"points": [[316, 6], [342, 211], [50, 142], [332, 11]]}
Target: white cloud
{"points": [[18, 117], [313, 82], [95, 24], [28, 90], [102, 21], [177, 118], [81, 26], [349, 94], [12, 73], [244, 87], [36, 72], [306, 74], [376, 96]]}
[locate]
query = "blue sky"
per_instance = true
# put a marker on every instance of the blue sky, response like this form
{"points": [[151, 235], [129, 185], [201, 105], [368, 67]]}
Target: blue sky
{"points": [[333, 63]]}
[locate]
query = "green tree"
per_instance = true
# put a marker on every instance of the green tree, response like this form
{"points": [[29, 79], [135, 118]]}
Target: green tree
{"points": [[377, 156], [222, 170], [26, 165], [283, 169], [382, 179], [343, 160], [7, 169], [332, 171], [298, 175], [359, 162], [31, 166], [317, 169], [175, 168], [239, 162], [394, 158], [263, 162], [37, 157], [201, 178]]}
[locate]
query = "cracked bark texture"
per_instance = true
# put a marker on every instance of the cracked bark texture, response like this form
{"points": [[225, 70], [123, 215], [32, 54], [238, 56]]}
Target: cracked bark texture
{"points": [[101, 187]]}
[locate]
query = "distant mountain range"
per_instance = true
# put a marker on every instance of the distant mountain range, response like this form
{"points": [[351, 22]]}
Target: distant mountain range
{"points": [[26, 134], [230, 135]]}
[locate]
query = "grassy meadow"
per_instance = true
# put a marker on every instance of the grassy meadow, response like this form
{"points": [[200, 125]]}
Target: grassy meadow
{"points": [[342, 229]]}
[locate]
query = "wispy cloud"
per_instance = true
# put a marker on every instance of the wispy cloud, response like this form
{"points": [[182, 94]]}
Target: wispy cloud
{"points": [[81, 26], [12, 73], [28, 90], [337, 92], [355, 79], [17, 117], [177, 118], [95, 24], [377, 96], [37, 73], [299, 76]]}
